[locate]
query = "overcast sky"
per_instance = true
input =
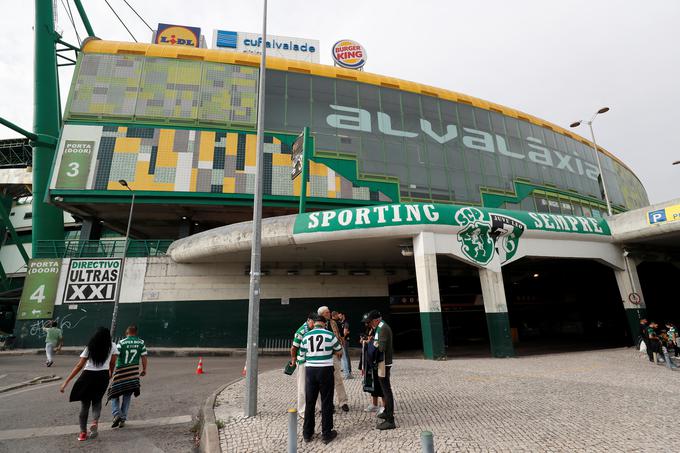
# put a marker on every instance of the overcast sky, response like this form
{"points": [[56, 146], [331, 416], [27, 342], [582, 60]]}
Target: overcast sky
{"points": [[558, 60]]}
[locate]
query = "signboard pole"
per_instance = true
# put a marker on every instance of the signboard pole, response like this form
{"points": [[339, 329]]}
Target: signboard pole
{"points": [[305, 170], [250, 409], [114, 316]]}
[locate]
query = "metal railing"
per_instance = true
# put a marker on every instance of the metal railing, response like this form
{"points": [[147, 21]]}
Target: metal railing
{"points": [[113, 248]]}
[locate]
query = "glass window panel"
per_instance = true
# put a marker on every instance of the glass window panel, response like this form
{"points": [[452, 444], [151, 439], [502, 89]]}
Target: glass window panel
{"points": [[474, 182], [497, 123], [511, 126], [323, 96], [449, 114], [430, 108], [439, 179], [346, 93], [578, 210], [525, 129], [275, 101], [466, 115], [455, 160], [410, 104], [298, 100], [482, 120], [397, 170], [419, 177], [372, 149], [371, 166], [415, 154], [435, 155], [527, 204], [390, 103], [474, 163], [541, 204], [459, 186], [395, 151], [243, 103]]}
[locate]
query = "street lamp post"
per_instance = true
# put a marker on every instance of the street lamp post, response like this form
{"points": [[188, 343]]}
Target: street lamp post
{"points": [[597, 154], [114, 317], [250, 409]]}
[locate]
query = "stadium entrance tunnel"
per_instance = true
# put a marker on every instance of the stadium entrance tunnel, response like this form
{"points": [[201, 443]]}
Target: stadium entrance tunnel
{"points": [[552, 305], [658, 279]]}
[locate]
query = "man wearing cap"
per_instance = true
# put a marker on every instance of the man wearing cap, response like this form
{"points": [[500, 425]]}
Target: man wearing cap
{"points": [[382, 340], [297, 356], [319, 347], [332, 326]]}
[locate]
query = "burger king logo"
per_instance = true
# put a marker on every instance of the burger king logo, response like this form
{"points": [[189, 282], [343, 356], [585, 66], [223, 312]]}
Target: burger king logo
{"points": [[349, 54], [178, 35]]}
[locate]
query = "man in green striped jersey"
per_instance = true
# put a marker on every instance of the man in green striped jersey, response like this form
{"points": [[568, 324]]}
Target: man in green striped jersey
{"points": [[297, 356], [318, 348]]}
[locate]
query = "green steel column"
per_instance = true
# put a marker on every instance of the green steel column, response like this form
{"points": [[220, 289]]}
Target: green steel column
{"points": [[48, 221], [83, 17], [496, 308], [429, 299]]}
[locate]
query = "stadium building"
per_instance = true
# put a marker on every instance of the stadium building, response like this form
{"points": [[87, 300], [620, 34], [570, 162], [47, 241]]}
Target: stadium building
{"points": [[465, 222]]}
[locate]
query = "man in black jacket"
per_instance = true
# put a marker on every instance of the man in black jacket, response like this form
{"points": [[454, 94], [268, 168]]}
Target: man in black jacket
{"points": [[382, 339]]}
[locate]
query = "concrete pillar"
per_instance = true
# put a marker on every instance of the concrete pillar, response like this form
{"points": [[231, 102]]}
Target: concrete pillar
{"points": [[496, 309], [425, 256], [629, 283], [91, 229]]}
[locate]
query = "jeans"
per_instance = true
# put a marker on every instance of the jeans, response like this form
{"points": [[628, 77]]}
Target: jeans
{"points": [[388, 397], [346, 362], [85, 408], [318, 380], [118, 410], [49, 351]]}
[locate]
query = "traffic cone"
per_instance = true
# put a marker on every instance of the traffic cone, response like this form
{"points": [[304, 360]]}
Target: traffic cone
{"points": [[199, 369], [243, 373]]}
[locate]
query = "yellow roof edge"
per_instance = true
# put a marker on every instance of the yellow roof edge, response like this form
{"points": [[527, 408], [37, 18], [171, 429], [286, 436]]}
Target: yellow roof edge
{"points": [[281, 64]]}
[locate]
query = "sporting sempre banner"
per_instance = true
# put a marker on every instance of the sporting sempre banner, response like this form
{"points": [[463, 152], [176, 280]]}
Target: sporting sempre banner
{"points": [[74, 168], [40, 289], [92, 280], [440, 214]]}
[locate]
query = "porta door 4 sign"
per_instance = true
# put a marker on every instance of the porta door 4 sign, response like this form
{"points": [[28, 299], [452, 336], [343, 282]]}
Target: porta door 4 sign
{"points": [[92, 280]]}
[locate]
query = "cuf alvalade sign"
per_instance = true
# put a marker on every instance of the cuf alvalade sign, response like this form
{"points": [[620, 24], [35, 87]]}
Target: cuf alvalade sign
{"points": [[483, 235]]}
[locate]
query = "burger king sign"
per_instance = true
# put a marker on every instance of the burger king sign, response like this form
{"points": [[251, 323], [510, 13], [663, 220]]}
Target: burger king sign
{"points": [[349, 54]]}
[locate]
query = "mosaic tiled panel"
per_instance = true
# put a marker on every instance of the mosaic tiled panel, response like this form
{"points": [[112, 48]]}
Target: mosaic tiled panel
{"points": [[202, 161], [163, 89]]}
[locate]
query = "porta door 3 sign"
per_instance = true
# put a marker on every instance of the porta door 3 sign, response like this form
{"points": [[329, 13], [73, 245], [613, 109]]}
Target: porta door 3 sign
{"points": [[92, 280]]}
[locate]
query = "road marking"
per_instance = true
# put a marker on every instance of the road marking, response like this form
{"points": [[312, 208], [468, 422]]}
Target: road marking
{"points": [[29, 389], [12, 434]]}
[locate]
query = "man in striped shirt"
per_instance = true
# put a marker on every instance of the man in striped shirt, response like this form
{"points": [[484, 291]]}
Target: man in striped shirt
{"points": [[296, 356], [318, 348]]}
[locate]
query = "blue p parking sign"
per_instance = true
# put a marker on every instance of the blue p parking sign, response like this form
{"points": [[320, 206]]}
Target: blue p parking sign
{"points": [[657, 216]]}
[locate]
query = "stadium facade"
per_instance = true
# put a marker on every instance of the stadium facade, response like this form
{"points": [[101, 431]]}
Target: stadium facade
{"points": [[453, 215]]}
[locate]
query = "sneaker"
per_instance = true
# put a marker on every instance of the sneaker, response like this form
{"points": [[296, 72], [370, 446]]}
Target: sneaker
{"points": [[122, 423], [50, 363], [382, 414], [306, 439], [386, 424], [93, 431], [371, 408], [116, 422], [82, 436], [345, 408], [381, 409], [329, 438]]}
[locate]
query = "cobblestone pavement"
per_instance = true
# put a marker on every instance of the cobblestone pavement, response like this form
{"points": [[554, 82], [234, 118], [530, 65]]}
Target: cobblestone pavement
{"points": [[608, 400]]}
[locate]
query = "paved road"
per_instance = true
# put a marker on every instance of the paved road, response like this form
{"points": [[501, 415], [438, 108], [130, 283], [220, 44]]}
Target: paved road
{"points": [[594, 401], [40, 419]]}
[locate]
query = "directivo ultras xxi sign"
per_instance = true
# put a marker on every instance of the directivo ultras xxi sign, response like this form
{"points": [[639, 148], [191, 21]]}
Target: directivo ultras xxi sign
{"points": [[92, 280]]}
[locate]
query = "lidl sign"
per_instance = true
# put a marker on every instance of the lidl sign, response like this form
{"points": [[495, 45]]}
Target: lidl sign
{"points": [[669, 214], [178, 35]]}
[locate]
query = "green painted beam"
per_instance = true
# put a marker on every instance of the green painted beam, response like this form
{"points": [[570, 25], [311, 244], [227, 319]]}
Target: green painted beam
{"points": [[48, 221], [83, 17], [500, 337], [13, 233], [432, 328]]}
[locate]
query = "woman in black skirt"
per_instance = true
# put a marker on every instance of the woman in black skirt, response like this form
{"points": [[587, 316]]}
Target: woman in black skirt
{"points": [[98, 360]]}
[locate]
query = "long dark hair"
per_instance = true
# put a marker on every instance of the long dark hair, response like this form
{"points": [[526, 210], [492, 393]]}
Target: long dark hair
{"points": [[99, 346]]}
